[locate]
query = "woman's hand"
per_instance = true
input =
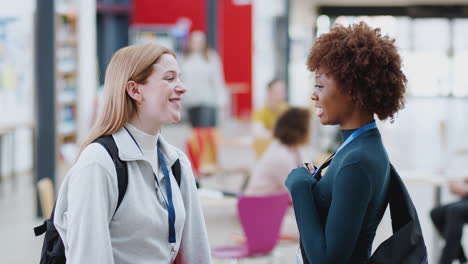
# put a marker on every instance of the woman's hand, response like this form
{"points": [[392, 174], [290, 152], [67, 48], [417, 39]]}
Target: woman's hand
{"points": [[458, 187], [299, 176], [310, 167]]}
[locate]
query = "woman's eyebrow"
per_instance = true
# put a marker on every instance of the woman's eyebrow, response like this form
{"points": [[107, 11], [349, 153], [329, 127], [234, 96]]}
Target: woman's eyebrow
{"points": [[171, 71]]}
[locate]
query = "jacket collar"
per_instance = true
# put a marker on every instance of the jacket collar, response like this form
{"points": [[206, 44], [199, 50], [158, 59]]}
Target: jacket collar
{"points": [[129, 151]]}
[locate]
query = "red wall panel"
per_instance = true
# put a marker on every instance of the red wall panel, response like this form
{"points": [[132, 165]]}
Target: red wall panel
{"points": [[169, 11], [235, 42], [234, 38]]}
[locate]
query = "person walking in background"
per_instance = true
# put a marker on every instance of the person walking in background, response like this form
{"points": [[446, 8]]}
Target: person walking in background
{"points": [[357, 76], [158, 221], [449, 220], [202, 72]]}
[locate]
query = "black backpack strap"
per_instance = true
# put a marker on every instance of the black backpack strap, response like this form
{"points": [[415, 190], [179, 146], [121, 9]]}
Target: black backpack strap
{"points": [[39, 230], [176, 171], [304, 257], [318, 174], [108, 143], [406, 245]]}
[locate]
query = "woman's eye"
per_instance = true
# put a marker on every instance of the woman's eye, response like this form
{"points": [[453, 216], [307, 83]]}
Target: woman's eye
{"points": [[170, 79], [318, 86]]}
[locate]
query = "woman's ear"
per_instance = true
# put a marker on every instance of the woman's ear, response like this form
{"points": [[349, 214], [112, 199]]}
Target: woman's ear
{"points": [[133, 90]]}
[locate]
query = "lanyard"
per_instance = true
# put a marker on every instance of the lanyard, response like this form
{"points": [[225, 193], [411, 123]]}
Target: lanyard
{"points": [[169, 202], [352, 137]]}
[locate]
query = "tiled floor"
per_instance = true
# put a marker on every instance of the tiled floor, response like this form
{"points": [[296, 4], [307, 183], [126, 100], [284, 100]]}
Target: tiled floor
{"points": [[414, 144], [17, 218]]}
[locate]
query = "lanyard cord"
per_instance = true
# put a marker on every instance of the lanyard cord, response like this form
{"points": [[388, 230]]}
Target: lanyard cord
{"points": [[169, 202], [352, 137]]}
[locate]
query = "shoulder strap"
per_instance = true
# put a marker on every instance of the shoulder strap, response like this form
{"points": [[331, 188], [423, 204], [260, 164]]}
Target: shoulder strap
{"points": [[122, 176], [406, 245], [176, 171], [108, 143], [318, 171], [402, 210], [303, 254]]}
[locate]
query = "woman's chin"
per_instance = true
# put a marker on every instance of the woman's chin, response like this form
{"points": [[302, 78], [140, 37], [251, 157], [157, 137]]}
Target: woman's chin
{"points": [[325, 122], [175, 118]]}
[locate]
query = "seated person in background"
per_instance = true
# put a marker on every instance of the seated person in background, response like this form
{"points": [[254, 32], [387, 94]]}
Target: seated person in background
{"points": [[291, 132], [449, 220], [263, 119]]}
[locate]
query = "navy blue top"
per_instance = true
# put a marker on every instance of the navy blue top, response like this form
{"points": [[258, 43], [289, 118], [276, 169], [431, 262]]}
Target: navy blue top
{"points": [[338, 216]]}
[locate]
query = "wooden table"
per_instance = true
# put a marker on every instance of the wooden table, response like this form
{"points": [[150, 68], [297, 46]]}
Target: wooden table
{"points": [[7, 131]]}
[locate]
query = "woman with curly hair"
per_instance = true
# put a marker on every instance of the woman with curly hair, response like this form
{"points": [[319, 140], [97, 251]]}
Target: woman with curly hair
{"points": [[358, 76]]}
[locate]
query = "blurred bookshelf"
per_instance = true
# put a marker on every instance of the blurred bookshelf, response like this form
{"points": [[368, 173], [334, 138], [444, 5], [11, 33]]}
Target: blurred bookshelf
{"points": [[113, 22], [66, 48]]}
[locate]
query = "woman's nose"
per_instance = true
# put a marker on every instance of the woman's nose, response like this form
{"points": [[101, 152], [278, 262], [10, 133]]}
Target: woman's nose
{"points": [[180, 89], [314, 96]]}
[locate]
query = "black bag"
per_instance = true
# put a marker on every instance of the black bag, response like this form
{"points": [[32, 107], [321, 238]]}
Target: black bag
{"points": [[53, 250], [406, 245]]}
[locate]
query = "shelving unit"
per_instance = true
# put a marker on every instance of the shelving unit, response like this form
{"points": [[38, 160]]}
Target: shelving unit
{"points": [[113, 21], [67, 84]]}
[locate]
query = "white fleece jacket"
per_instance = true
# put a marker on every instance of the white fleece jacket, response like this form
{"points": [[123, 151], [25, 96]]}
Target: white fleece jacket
{"points": [[138, 232]]}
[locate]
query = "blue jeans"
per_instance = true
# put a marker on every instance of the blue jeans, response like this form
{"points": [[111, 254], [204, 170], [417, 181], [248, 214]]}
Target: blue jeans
{"points": [[202, 116]]}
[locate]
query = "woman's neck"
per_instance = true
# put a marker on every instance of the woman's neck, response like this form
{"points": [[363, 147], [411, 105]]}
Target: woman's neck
{"points": [[146, 142], [150, 128], [356, 120]]}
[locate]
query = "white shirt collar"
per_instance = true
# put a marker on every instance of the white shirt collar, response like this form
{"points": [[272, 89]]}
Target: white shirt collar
{"points": [[145, 141], [128, 150]]}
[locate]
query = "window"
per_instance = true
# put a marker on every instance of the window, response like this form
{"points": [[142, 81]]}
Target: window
{"points": [[434, 50]]}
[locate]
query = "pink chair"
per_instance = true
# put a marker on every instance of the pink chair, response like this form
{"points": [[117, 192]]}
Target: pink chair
{"points": [[261, 218]]}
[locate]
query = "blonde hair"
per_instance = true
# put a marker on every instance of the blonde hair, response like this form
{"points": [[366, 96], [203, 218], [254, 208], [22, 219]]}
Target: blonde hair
{"points": [[132, 63]]}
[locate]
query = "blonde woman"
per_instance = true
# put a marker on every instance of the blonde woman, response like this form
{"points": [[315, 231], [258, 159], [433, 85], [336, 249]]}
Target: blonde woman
{"points": [[142, 92]]}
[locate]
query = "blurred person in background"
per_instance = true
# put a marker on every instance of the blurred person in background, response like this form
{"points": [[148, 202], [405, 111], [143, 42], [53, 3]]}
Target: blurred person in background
{"points": [[291, 132], [357, 76], [142, 92], [202, 72], [264, 119], [449, 220]]}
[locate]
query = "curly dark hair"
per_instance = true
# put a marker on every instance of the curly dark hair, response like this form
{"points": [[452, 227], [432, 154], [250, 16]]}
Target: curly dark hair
{"points": [[365, 65], [292, 127]]}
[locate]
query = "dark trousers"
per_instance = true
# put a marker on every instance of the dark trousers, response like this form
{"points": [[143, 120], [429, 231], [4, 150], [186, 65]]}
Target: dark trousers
{"points": [[202, 116], [449, 220]]}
